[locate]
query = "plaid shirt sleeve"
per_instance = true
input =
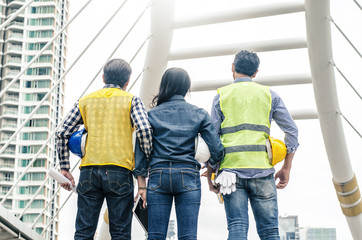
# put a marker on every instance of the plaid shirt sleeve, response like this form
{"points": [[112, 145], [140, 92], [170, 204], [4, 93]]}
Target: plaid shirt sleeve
{"points": [[70, 126], [139, 118]]}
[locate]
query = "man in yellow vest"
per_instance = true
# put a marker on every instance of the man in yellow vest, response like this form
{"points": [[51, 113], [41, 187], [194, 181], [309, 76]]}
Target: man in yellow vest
{"points": [[243, 111], [110, 116]]}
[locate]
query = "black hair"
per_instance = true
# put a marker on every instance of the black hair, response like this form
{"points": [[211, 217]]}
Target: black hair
{"points": [[117, 71], [246, 62], [175, 81]]}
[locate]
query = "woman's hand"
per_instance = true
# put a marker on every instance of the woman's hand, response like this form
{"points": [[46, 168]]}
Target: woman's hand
{"points": [[142, 190]]}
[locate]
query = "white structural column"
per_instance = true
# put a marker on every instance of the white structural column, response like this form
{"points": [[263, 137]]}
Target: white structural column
{"points": [[320, 55], [162, 19]]}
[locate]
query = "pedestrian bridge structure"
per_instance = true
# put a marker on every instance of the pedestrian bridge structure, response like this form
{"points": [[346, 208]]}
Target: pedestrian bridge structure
{"points": [[165, 28]]}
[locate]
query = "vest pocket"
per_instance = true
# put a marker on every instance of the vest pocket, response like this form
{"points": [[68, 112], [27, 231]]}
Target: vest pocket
{"points": [[189, 180], [119, 182], [85, 181]]}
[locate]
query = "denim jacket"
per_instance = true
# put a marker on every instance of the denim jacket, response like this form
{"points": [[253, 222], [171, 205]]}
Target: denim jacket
{"points": [[175, 125]]}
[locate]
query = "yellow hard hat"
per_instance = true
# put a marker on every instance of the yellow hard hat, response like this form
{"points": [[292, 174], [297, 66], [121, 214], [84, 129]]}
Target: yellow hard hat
{"points": [[276, 150]]}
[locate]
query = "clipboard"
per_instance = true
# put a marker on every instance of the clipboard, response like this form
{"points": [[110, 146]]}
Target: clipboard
{"points": [[141, 214]]}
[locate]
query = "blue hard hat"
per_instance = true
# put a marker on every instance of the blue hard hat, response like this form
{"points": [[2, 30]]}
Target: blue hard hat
{"points": [[77, 142]]}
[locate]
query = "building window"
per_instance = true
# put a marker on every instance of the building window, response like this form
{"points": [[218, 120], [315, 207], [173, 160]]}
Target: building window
{"points": [[30, 218], [34, 96], [31, 149], [30, 190], [37, 46], [8, 177], [34, 203], [40, 34], [37, 163], [41, 59], [41, 22], [37, 123], [33, 177], [36, 136], [41, 110], [38, 71], [41, 10]]}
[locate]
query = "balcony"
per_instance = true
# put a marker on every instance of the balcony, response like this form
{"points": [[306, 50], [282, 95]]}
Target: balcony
{"points": [[7, 165], [16, 3], [15, 37], [11, 74], [14, 10], [6, 138], [12, 62], [3, 193], [10, 112], [7, 179], [8, 99], [9, 126], [16, 25], [14, 48]]}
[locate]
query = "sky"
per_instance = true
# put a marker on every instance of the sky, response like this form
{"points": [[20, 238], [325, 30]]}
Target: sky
{"points": [[310, 193]]}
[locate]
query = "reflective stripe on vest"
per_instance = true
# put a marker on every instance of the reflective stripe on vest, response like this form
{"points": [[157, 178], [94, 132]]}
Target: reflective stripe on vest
{"points": [[106, 117], [246, 107]]}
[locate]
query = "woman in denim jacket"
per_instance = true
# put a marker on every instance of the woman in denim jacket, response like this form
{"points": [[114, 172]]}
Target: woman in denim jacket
{"points": [[173, 169]]}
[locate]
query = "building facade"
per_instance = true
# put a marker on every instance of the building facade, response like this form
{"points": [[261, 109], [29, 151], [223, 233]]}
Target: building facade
{"points": [[20, 41], [321, 234], [288, 228]]}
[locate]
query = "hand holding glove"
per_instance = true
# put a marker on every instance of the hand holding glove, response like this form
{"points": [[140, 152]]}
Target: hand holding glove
{"points": [[227, 182]]}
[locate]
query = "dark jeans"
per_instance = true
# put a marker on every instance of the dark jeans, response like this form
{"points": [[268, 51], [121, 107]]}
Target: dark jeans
{"points": [[99, 182], [168, 181]]}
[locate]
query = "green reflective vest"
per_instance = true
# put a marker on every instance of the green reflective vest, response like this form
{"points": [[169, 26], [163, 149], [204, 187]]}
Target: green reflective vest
{"points": [[246, 107]]}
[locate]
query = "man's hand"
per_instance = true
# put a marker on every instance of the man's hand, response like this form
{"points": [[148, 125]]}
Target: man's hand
{"points": [[212, 187], [68, 175], [284, 173]]}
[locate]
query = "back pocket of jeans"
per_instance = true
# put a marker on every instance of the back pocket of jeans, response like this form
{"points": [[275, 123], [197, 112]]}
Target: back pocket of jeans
{"points": [[190, 180], [119, 182], [265, 187], [85, 181], [154, 181]]}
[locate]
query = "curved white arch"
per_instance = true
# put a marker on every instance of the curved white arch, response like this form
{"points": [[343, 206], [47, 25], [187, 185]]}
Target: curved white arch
{"points": [[321, 56]]}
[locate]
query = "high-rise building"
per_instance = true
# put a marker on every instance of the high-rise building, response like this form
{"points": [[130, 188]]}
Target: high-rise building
{"points": [[288, 228], [20, 41]]}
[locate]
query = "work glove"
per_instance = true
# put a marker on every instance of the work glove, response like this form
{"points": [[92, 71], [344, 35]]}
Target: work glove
{"points": [[227, 182]]}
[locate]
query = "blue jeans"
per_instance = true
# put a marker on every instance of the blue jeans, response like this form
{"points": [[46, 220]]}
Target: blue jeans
{"points": [[263, 199], [168, 181], [99, 182]]}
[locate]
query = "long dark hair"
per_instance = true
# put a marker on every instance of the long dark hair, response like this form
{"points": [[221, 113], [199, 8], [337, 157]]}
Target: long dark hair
{"points": [[175, 81]]}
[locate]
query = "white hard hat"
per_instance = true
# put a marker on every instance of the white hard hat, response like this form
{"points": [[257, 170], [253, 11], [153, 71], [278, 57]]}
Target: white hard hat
{"points": [[202, 150]]}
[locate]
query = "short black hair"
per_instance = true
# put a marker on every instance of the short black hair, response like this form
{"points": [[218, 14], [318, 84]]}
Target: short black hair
{"points": [[246, 62], [117, 71]]}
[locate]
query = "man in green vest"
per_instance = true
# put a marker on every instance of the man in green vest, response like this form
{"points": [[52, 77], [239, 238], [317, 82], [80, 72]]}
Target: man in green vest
{"points": [[110, 115], [242, 112]]}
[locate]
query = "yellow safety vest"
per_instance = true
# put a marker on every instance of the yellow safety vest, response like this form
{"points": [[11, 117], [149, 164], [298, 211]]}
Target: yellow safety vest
{"points": [[106, 117], [246, 107]]}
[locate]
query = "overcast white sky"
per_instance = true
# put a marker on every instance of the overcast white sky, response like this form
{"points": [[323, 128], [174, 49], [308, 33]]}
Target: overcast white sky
{"points": [[310, 193]]}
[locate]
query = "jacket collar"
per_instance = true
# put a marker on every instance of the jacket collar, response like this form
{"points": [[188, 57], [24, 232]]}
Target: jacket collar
{"points": [[176, 97]]}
